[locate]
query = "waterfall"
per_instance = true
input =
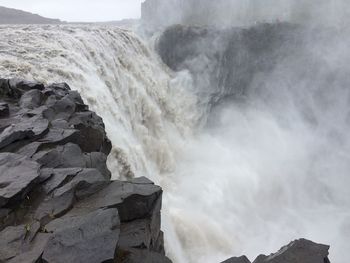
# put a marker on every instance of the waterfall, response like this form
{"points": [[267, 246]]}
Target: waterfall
{"points": [[258, 174], [143, 106]]}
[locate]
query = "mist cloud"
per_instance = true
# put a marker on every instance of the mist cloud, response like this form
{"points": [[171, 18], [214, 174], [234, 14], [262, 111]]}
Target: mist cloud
{"points": [[242, 13], [272, 162]]}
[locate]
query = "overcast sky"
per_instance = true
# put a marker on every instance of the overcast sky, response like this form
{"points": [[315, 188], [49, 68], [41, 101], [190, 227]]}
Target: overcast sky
{"points": [[79, 10]]}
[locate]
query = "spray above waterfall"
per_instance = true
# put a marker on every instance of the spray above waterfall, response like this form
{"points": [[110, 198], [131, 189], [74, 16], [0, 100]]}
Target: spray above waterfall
{"points": [[158, 14], [271, 162]]}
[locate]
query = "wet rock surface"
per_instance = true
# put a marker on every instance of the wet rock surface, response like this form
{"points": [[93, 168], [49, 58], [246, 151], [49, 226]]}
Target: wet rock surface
{"points": [[57, 201], [242, 259], [17, 177], [298, 251]]}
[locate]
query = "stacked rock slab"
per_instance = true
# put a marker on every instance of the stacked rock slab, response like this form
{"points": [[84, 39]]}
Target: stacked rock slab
{"points": [[57, 200]]}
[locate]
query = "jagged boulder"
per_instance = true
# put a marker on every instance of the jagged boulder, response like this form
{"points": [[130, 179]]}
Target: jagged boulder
{"points": [[242, 259], [298, 251], [57, 202], [17, 176], [4, 109], [90, 237]]}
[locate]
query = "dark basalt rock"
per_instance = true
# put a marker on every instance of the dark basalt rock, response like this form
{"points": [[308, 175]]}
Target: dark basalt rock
{"points": [[4, 110], [53, 207], [57, 202], [11, 241], [97, 160], [242, 259], [25, 85], [298, 251], [32, 252], [65, 156], [84, 183], [17, 176], [140, 255], [92, 136], [23, 129], [83, 238], [134, 201], [31, 99], [58, 177], [23, 247]]}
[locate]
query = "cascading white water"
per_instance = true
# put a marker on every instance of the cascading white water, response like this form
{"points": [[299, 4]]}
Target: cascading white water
{"points": [[248, 185], [119, 77], [146, 108]]}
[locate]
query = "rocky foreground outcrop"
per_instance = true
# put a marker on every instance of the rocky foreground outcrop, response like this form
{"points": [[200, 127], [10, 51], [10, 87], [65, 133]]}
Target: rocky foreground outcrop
{"points": [[298, 251], [57, 200]]}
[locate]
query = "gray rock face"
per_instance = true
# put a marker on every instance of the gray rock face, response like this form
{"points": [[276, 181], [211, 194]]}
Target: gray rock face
{"points": [[31, 99], [25, 85], [134, 201], [140, 255], [11, 241], [298, 251], [24, 128], [4, 109], [17, 177], [242, 259], [83, 238], [57, 202]]}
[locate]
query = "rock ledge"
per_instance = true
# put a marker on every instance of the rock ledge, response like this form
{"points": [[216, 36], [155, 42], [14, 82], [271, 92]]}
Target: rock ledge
{"points": [[57, 201]]}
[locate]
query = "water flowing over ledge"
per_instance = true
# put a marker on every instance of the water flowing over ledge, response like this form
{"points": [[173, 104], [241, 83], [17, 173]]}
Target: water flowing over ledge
{"points": [[257, 180]]}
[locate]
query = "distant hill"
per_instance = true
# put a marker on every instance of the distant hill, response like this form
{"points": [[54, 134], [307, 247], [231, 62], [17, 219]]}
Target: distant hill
{"points": [[15, 16]]}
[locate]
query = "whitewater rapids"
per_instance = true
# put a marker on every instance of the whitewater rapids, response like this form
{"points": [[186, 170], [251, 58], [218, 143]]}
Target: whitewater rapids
{"points": [[246, 186], [120, 79]]}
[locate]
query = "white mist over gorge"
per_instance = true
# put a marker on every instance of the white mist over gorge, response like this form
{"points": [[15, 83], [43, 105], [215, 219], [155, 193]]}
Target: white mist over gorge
{"points": [[230, 13], [239, 110]]}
